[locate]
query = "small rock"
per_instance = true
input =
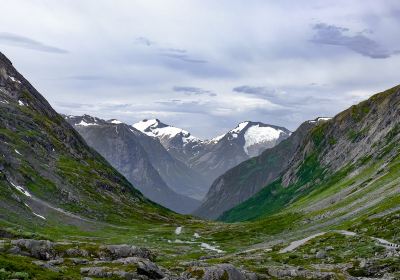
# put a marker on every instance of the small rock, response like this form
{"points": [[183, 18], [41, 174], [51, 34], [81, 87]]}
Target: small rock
{"points": [[74, 252], [56, 261], [96, 271], [78, 261], [321, 254]]}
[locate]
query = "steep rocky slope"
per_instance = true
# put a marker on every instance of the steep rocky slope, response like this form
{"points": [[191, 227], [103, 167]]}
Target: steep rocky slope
{"points": [[140, 158], [211, 158], [246, 179], [48, 174], [345, 165]]}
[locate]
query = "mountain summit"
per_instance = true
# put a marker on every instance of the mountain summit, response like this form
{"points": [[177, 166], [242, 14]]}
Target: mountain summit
{"points": [[211, 158]]}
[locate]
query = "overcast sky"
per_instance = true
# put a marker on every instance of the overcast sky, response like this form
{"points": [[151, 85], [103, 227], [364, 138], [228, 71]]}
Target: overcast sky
{"points": [[204, 65]]}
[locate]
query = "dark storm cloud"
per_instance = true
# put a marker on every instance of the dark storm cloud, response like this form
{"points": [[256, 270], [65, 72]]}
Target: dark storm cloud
{"points": [[193, 90], [28, 43], [326, 34]]}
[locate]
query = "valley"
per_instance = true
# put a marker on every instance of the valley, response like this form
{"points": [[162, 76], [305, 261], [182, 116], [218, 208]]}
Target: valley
{"points": [[67, 213]]}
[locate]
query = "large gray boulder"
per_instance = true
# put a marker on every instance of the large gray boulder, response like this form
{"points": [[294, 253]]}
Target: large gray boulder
{"points": [[39, 249], [115, 252]]}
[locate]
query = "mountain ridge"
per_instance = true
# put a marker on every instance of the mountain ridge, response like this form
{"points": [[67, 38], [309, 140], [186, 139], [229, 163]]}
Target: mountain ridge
{"points": [[213, 157]]}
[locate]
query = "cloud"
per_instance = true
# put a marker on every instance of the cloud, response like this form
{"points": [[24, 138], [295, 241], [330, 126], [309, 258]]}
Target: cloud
{"points": [[193, 91], [28, 43], [172, 53], [255, 90], [291, 98], [144, 41], [337, 36]]}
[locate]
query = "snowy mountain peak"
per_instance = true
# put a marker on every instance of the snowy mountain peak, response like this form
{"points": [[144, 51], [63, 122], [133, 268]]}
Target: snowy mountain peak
{"points": [[239, 127], [155, 128]]}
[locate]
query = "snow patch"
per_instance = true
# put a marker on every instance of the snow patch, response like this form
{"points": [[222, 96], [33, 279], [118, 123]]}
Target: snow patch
{"points": [[216, 139], [4, 101], [210, 247], [83, 123], [15, 80], [320, 119], [178, 230], [21, 189], [150, 127], [240, 127], [196, 235], [257, 134], [20, 103], [40, 216], [115, 122], [17, 152], [145, 125]]}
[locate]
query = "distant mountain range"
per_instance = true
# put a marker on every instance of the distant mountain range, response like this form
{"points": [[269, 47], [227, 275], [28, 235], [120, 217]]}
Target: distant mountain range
{"points": [[211, 158], [168, 164], [142, 160]]}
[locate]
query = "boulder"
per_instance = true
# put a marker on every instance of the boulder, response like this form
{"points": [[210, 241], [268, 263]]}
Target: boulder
{"points": [[39, 249], [97, 271], [321, 254], [123, 251], [75, 252], [149, 269]]}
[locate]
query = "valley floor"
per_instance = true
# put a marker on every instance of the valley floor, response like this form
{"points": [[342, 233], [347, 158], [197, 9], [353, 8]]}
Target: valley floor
{"points": [[276, 247]]}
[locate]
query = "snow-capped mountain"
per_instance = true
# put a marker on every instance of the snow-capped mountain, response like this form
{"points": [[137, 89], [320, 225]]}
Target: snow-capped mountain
{"points": [[156, 128], [255, 137], [178, 142], [143, 161], [212, 158]]}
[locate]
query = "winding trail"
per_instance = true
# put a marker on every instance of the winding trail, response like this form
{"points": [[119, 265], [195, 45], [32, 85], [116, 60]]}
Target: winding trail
{"points": [[297, 243]]}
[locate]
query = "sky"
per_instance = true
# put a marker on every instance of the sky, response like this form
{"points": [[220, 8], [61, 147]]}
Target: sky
{"points": [[204, 65]]}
